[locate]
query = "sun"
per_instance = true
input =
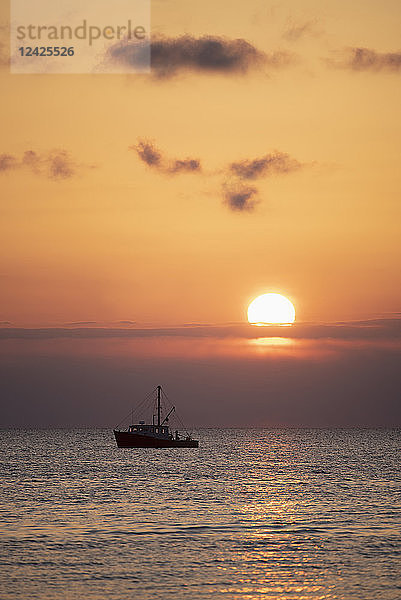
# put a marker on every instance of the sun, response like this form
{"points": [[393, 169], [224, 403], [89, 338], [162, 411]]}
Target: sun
{"points": [[271, 308]]}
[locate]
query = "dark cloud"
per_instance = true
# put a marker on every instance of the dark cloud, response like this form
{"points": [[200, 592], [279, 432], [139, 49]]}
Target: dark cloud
{"points": [[240, 197], [388, 329], [208, 54], [47, 386], [276, 162], [7, 162], [237, 195], [80, 323], [213, 54], [150, 155], [365, 59], [56, 165], [99, 324], [343, 374], [296, 31]]}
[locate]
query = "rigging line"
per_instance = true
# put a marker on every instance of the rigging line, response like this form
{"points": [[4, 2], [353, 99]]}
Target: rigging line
{"points": [[137, 408], [142, 403], [182, 426], [142, 410], [122, 421], [146, 399], [135, 411], [168, 403]]}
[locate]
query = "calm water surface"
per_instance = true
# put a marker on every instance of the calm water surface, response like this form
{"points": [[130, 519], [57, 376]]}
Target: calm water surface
{"points": [[251, 514]]}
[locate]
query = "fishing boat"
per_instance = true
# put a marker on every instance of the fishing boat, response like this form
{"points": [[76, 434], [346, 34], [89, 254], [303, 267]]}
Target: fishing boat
{"points": [[156, 435]]}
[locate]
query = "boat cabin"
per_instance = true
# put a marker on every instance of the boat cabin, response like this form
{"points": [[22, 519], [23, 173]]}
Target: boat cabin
{"points": [[141, 428]]}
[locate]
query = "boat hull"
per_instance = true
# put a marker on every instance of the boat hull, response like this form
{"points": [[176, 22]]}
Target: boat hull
{"points": [[127, 439]]}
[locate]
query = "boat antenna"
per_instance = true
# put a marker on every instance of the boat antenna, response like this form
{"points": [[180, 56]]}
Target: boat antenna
{"points": [[158, 404]]}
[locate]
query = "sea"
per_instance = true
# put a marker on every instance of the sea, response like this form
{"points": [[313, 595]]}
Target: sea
{"points": [[266, 514]]}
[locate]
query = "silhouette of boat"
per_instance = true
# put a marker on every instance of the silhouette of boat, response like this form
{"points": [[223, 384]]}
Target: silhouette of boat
{"points": [[156, 435]]}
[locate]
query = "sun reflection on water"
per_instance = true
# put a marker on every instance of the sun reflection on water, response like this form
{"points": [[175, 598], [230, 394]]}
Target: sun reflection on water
{"points": [[271, 341], [271, 324]]}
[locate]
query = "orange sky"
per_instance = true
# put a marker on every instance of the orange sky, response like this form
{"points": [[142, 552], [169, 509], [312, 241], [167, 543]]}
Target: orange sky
{"points": [[119, 240]]}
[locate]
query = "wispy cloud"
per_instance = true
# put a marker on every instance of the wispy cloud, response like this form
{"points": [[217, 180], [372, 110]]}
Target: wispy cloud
{"points": [[188, 165], [61, 165], [4, 55], [366, 59], [151, 156], [274, 163], [4, 45], [205, 54], [56, 164], [297, 30]]}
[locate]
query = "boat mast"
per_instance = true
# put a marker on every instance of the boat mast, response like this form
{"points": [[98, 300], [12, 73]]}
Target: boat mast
{"points": [[158, 405]]}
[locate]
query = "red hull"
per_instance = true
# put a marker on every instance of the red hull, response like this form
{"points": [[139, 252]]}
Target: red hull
{"points": [[127, 439]]}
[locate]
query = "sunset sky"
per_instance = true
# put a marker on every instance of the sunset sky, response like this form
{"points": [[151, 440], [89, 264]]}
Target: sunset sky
{"points": [[167, 202]]}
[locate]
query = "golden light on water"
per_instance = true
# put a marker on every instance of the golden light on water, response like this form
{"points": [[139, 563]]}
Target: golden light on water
{"points": [[271, 309]]}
